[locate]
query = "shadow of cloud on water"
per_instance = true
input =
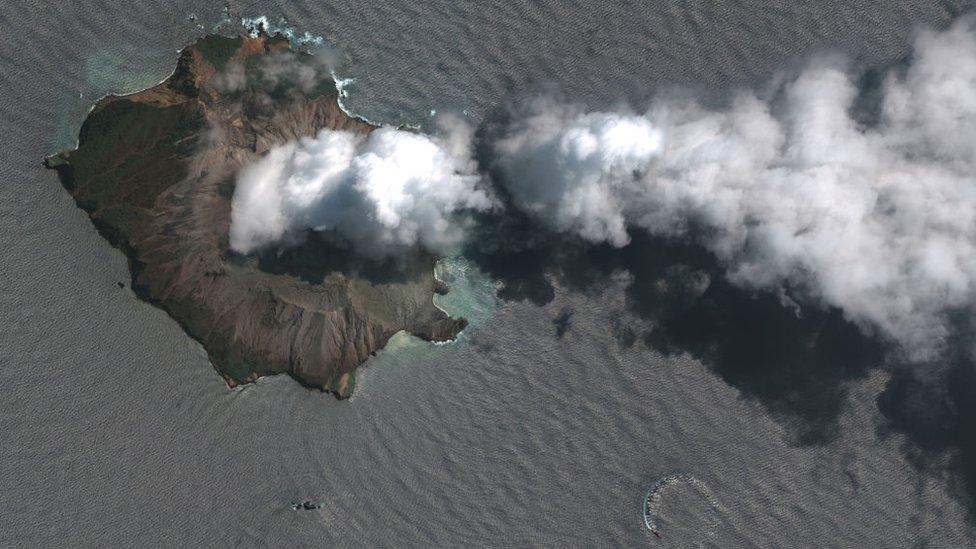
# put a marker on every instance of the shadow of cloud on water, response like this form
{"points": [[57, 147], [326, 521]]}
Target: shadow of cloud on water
{"points": [[934, 407], [796, 363]]}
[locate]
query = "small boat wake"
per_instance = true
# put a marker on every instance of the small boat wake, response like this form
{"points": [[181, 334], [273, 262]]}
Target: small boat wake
{"points": [[652, 500]]}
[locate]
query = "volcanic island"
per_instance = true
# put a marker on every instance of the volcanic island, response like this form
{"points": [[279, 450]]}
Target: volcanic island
{"points": [[156, 172]]}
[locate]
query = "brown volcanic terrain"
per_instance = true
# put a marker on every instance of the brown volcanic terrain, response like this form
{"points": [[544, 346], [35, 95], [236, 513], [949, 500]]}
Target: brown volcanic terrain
{"points": [[156, 172]]}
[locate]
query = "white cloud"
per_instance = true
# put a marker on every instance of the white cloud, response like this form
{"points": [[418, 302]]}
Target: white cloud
{"points": [[879, 222], [382, 193], [574, 169]]}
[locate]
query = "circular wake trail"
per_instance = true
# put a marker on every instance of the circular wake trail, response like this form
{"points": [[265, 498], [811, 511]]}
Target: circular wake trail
{"points": [[655, 494]]}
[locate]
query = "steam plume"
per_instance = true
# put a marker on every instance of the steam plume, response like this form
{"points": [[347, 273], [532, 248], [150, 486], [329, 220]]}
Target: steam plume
{"points": [[383, 192], [793, 194]]}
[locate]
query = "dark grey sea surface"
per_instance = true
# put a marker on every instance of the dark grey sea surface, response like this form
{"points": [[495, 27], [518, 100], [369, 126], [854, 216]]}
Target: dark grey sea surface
{"points": [[116, 431]]}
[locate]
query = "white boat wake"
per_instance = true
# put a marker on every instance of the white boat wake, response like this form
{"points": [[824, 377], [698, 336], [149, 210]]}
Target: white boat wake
{"points": [[655, 494]]}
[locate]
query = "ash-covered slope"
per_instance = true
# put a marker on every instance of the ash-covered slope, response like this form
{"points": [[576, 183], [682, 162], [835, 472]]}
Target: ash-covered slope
{"points": [[156, 172]]}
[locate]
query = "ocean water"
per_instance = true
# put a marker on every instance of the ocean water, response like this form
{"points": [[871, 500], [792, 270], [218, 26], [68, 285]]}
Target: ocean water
{"points": [[115, 430]]}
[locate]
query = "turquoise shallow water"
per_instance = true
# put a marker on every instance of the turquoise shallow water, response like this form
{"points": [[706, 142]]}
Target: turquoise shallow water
{"points": [[472, 293], [115, 430], [472, 296]]}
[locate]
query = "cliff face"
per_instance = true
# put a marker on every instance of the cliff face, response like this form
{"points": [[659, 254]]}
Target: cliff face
{"points": [[156, 172]]}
